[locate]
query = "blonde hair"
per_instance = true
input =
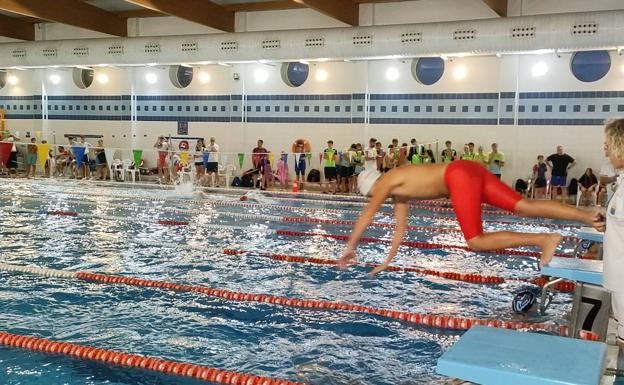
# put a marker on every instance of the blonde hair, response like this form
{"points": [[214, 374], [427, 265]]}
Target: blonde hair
{"points": [[614, 133]]}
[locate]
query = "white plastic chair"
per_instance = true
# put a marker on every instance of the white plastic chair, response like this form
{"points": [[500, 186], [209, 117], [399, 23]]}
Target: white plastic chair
{"points": [[130, 168], [227, 173], [579, 194], [116, 170]]}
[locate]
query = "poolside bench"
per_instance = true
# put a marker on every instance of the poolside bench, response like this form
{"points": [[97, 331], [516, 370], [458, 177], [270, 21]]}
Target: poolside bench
{"points": [[492, 356]]}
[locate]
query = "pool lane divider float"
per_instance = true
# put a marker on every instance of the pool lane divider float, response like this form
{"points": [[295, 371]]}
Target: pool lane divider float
{"points": [[90, 353], [335, 211], [289, 233], [563, 286], [427, 320], [275, 218]]}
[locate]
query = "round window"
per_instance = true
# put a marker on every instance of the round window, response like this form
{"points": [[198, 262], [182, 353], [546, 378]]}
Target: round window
{"points": [[83, 77], [181, 76], [590, 66], [428, 70], [3, 79], [295, 74]]}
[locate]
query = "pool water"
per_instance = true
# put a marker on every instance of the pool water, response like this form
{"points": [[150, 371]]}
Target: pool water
{"points": [[312, 346]]}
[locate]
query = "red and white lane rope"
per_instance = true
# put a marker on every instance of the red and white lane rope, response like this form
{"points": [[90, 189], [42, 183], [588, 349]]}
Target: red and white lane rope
{"points": [[117, 358], [284, 219], [436, 321], [413, 244], [250, 205], [564, 286], [290, 233]]}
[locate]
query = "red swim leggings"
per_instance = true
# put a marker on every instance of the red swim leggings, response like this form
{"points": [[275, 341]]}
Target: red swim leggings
{"points": [[162, 159], [470, 184]]}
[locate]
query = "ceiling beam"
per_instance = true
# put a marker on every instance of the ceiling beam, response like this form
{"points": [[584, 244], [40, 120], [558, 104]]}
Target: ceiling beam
{"points": [[344, 10], [143, 12], [264, 6], [498, 6], [16, 28], [71, 12], [203, 12]]}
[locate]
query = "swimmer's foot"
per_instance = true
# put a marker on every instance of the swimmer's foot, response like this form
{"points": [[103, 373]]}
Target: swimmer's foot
{"points": [[549, 246]]}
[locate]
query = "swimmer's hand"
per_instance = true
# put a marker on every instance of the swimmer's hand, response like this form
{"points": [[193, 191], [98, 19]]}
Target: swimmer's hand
{"points": [[348, 258], [599, 221], [378, 269]]}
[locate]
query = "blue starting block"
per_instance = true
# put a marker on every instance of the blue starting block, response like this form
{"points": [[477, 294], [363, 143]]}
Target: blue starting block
{"points": [[591, 304], [589, 234], [491, 356], [579, 270]]}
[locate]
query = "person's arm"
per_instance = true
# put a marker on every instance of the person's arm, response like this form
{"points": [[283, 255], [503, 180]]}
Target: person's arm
{"points": [[401, 212], [549, 162], [382, 191], [572, 164]]}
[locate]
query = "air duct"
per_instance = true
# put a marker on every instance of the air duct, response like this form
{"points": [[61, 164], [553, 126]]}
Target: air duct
{"points": [[564, 32]]}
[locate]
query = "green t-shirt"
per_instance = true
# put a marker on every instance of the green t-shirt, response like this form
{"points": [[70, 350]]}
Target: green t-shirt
{"points": [[448, 155], [468, 156], [330, 160], [495, 166], [416, 159], [481, 158]]}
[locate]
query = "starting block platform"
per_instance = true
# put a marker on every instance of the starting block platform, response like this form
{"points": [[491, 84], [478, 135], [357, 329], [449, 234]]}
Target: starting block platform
{"points": [[589, 234], [491, 356], [578, 270]]}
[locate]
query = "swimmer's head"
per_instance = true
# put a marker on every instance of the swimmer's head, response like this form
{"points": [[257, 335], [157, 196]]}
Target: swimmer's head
{"points": [[366, 180], [244, 198], [524, 300]]}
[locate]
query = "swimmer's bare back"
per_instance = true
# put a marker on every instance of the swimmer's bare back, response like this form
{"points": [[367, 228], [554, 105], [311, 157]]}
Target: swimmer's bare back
{"points": [[415, 182]]}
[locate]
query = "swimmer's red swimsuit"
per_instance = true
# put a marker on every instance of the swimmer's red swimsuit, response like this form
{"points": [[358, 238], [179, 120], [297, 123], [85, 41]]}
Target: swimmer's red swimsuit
{"points": [[470, 184]]}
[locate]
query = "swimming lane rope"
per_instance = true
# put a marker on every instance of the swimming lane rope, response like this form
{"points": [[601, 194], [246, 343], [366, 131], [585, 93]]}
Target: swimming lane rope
{"points": [[429, 320], [117, 358], [290, 233], [564, 286], [277, 218]]}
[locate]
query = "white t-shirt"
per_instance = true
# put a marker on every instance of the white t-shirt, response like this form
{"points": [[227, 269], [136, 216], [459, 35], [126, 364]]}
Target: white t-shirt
{"points": [[613, 255], [370, 152], [213, 152]]}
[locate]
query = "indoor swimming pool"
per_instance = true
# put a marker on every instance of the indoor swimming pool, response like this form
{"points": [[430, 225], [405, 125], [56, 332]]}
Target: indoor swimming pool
{"points": [[216, 241]]}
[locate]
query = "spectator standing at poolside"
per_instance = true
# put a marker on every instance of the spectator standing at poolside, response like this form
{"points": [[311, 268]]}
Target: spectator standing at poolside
{"points": [[12, 163], [162, 146], [448, 154], [330, 155], [101, 164], [370, 155], [200, 147], [380, 156], [560, 163], [86, 171], [467, 155], [403, 155], [414, 155], [212, 167], [31, 158], [496, 161], [481, 157]]}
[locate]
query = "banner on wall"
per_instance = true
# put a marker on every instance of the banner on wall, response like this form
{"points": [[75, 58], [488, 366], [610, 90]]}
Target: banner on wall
{"points": [[110, 154], [136, 154], [5, 152], [43, 151], [182, 128], [79, 152], [241, 158]]}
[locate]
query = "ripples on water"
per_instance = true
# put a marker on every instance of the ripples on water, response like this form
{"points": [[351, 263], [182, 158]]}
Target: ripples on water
{"points": [[317, 347]]}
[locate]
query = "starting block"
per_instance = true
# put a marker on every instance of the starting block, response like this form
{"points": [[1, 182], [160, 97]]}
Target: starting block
{"points": [[491, 356], [591, 304]]}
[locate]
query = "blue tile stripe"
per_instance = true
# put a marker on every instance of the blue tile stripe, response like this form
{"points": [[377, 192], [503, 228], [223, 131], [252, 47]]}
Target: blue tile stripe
{"points": [[532, 108]]}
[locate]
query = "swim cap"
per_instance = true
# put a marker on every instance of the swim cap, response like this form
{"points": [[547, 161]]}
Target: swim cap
{"points": [[524, 300], [366, 180]]}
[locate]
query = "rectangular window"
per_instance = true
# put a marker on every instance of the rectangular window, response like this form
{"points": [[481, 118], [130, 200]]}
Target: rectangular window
{"points": [[317, 109], [326, 108], [222, 108], [276, 108], [306, 109], [154, 108], [214, 108], [101, 108], [116, 108], [509, 108], [296, 108], [606, 108], [348, 109], [405, 109], [394, 108], [71, 108], [248, 108], [440, 108], [162, 108], [28, 107], [534, 108], [92, 108], [372, 108], [179, 108], [360, 108], [85, 107], [196, 108], [477, 109], [337, 109], [549, 108], [464, 108], [428, 109], [620, 107], [521, 108], [382, 109], [286, 108], [188, 108], [266, 108], [170, 108], [576, 108], [235, 108], [63, 108], [206, 109], [416, 108], [490, 108], [453, 108], [563, 108], [591, 108]]}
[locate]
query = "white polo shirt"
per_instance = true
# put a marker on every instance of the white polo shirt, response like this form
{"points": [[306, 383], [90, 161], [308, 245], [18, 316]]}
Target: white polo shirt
{"points": [[370, 152], [613, 255]]}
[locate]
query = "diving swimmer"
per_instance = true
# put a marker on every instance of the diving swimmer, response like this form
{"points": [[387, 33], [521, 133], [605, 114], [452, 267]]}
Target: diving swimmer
{"points": [[468, 184]]}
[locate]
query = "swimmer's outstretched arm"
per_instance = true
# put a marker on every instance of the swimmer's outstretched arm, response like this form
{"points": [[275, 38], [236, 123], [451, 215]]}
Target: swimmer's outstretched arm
{"points": [[401, 212], [381, 192]]}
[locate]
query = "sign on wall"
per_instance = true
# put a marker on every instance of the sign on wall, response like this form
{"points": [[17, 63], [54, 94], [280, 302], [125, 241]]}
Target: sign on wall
{"points": [[182, 128]]}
